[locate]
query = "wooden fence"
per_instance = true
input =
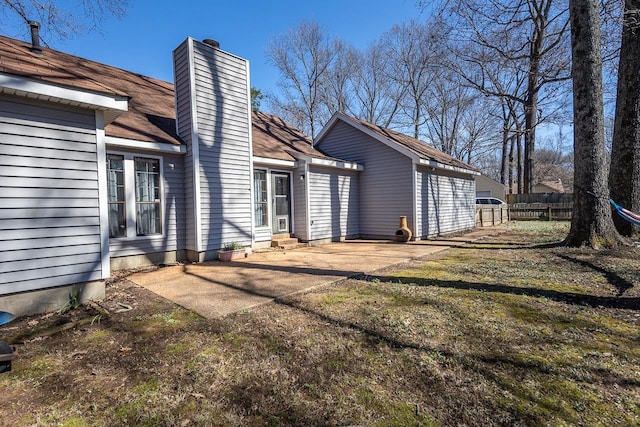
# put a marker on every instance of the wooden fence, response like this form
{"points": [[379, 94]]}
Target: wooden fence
{"points": [[488, 215], [541, 211]]}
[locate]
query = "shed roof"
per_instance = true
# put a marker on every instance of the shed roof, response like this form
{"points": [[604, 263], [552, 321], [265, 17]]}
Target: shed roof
{"points": [[151, 114]]}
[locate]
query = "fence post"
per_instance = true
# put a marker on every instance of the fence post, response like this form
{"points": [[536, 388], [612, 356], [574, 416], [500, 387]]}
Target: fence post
{"points": [[549, 213]]}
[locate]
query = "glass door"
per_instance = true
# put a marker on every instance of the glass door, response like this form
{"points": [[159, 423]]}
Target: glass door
{"points": [[281, 203]]}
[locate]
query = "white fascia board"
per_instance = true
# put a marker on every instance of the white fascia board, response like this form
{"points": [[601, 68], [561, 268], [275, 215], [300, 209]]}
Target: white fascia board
{"points": [[274, 162], [145, 145], [341, 116], [335, 164], [338, 164], [438, 165], [113, 105]]}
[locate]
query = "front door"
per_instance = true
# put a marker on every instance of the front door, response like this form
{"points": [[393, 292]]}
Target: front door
{"points": [[280, 203]]}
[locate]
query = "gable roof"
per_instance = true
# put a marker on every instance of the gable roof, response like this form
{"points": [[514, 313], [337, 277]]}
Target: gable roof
{"points": [[411, 147], [151, 113]]}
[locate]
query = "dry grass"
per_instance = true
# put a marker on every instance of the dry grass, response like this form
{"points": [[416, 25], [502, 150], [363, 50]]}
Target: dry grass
{"points": [[512, 330]]}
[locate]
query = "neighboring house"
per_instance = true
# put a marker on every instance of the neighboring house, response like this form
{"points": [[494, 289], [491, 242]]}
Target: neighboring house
{"points": [[402, 177], [549, 187], [103, 169], [487, 187]]}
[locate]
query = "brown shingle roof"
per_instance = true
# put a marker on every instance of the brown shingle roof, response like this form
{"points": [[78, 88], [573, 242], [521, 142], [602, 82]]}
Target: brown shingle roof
{"points": [[417, 147], [275, 139], [151, 115]]}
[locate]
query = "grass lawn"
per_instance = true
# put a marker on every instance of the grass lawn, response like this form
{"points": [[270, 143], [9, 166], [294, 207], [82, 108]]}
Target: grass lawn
{"points": [[511, 330]]}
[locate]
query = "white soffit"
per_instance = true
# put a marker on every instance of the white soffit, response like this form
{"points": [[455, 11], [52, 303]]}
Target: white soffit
{"points": [[112, 105], [145, 145]]}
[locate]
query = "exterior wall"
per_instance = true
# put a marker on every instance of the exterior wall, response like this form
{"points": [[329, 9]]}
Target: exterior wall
{"points": [[173, 225], [487, 187], [386, 184], [300, 211], [333, 203], [185, 129], [445, 202], [49, 201], [218, 100]]}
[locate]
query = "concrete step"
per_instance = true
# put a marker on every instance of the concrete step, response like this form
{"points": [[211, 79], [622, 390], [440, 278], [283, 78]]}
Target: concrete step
{"points": [[280, 236], [284, 243]]}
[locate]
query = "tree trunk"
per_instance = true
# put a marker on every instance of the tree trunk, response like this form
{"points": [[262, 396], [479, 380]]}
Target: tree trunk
{"points": [[504, 163], [531, 116], [511, 163], [591, 224], [624, 177], [519, 161]]}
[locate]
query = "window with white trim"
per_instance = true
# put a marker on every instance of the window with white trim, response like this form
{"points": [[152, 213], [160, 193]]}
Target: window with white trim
{"points": [[260, 198], [116, 196], [148, 212], [134, 192]]}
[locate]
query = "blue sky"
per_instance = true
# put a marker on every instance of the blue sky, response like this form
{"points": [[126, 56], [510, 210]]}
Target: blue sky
{"points": [[142, 41]]}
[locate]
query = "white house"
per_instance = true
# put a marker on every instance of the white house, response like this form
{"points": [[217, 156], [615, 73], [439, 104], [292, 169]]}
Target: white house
{"points": [[102, 169]]}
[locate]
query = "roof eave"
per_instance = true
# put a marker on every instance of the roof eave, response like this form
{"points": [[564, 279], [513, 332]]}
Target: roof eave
{"points": [[162, 147], [330, 163], [113, 105], [437, 165]]}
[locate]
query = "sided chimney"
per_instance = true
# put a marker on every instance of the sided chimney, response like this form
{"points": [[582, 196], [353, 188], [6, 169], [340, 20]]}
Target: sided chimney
{"points": [[35, 37]]}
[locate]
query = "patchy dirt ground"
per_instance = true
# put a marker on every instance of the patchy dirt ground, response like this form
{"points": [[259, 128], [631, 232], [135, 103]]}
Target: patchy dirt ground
{"points": [[511, 330]]}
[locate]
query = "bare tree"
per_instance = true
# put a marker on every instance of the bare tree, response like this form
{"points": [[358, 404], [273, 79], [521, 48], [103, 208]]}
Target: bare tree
{"points": [[412, 48], [336, 90], [303, 55], [526, 37], [624, 177], [591, 224], [377, 98], [59, 19]]}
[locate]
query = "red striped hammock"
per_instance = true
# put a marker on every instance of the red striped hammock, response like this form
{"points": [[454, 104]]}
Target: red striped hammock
{"points": [[632, 217]]}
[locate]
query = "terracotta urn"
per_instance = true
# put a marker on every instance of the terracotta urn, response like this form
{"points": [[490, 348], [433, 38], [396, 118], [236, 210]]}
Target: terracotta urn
{"points": [[404, 233]]}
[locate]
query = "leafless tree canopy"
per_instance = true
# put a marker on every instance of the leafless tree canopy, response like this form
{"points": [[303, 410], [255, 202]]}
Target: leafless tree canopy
{"points": [[59, 19]]}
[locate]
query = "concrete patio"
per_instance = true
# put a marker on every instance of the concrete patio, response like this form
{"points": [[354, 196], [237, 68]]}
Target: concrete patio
{"points": [[214, 289]]}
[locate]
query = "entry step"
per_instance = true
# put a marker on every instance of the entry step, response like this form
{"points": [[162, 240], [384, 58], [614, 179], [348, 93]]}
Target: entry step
{"points": [[284, 241]]}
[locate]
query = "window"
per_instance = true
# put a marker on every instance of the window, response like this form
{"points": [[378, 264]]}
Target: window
{"points": [[148, 214], [260, 198], [115, 194], [134, 193]]}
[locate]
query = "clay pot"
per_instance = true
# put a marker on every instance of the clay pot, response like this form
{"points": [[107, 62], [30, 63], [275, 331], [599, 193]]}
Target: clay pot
{"points": [[404, 233]]}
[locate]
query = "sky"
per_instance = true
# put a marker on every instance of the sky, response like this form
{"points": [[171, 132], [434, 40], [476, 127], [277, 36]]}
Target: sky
{"points": [[143, 40]]}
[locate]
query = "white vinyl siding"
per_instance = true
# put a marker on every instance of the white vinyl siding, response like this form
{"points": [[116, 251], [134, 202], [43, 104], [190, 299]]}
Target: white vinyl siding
{"points": [[49, 202], [184, 125], [445, 202], [299, 197], [333, 203], [386, 183], [216, 103]]}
